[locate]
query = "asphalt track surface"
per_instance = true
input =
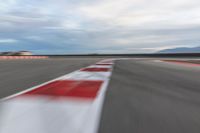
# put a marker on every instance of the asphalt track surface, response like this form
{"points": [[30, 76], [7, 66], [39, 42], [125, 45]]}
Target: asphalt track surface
{"points": [[19, 75], [144, 96], [152, 97]]}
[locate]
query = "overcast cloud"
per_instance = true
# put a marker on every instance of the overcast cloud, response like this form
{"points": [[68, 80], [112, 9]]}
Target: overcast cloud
{"points": [[98, 26]]}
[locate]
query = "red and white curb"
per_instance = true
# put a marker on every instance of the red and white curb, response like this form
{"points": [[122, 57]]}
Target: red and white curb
{"points": [[69, 104], [22, 57]]}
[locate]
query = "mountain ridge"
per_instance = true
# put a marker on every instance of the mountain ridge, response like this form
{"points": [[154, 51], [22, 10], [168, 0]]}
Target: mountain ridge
{"points": [[181, 50]]}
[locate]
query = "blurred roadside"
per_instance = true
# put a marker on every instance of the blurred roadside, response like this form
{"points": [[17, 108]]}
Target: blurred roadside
{"points": [[14, 53]]}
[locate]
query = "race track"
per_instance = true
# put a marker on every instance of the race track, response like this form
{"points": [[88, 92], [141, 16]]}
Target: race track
{"points": [[143, 96], [147, 96]]}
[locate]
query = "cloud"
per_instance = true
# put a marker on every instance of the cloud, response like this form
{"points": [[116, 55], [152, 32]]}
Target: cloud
{"points": [[8, 41], [106, 26]]}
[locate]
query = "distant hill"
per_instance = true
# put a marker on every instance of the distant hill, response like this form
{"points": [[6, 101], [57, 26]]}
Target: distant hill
{"points": [[181, 50]]}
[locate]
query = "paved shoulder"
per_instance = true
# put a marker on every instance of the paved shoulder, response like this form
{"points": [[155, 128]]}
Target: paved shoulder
{"points": [[147, 97]]}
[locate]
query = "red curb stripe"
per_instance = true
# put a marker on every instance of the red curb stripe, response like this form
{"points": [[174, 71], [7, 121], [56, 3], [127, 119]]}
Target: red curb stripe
{"points": [[23, 57], [68, 88], [94, 69], [182, 62]]}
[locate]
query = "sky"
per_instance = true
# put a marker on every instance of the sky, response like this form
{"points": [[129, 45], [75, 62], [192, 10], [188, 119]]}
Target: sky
{"points": [[98, 26]]}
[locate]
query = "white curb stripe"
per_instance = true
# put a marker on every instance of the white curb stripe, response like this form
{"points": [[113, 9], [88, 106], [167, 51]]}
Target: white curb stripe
{"points": [[100, 66], [82, 75]]}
